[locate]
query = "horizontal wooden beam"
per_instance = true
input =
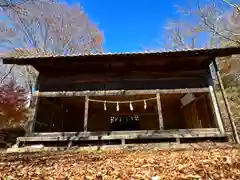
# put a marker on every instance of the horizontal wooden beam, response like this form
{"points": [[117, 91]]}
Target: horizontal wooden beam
{"points": [[46, 79], [123, 73], [118, 92], [137, 132], [49, 81], [74, 136]]}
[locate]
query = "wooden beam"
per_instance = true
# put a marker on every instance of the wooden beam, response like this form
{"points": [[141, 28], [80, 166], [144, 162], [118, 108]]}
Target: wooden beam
{"points": [[137, 132], [160, 118], [216, 110], [86, 113], [226, 103], [116, 61], [150, 134], [72, 76], [118, 92], [98, 79]]}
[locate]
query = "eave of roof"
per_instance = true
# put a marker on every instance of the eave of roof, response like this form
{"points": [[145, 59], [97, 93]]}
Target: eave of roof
{"points": [[211, 52]]}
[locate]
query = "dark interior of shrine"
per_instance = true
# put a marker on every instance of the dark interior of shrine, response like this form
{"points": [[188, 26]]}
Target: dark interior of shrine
{"points": [[66, 114]]}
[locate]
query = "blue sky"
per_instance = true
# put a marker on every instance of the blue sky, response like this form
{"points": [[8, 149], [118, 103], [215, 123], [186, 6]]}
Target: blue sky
{"points": [[130, 25]]}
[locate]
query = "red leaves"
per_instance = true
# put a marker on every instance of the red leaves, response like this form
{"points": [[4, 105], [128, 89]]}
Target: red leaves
{"points": [[13, 100]]}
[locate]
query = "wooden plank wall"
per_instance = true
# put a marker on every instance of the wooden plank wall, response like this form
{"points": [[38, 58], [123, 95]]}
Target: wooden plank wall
{"points": [[198, 114], [130, 81]]}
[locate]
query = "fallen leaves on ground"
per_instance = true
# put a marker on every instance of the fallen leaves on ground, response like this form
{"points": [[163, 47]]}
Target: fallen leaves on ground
{"points": [[216, 163]]}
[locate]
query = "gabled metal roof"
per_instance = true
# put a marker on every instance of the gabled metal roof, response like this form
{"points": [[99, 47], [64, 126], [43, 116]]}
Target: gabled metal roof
{"points": [[188, 58], [215, 51]]}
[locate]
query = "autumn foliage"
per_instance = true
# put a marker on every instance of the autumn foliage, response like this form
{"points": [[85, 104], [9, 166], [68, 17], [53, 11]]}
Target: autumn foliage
{"points": [[13, 100], [218, 162]]}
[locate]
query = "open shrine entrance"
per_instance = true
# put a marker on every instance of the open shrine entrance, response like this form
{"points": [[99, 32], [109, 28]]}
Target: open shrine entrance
{"points": [[66, 86], [125, 113]]}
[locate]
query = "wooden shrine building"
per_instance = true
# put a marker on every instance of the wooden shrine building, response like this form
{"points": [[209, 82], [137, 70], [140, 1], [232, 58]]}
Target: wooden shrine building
{"points": [[125, 98]]}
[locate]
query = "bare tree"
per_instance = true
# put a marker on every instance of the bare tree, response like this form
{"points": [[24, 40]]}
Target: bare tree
{"points": [[53, 27], [48, 27], [212, 24], [215, 20], [181, 35], [11, 3]]}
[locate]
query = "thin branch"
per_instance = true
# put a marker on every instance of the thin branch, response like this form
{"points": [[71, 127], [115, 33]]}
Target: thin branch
{"points": [[9, 4], [230, 32], [27, 32], [237, 7], [212, 29], [7, 74], [45, 36]]}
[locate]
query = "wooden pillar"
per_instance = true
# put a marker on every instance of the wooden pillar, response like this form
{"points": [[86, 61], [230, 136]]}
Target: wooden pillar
{"points": [[216, 110], [32, 121], [86, 113], [160, 118], [226, 103]]}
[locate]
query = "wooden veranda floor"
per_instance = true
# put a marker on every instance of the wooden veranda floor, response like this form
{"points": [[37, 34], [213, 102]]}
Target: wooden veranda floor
{"points": [[121, 137]]}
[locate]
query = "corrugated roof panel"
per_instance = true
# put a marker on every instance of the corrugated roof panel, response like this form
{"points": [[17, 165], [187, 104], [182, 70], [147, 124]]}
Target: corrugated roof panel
{"points": [[197, 50]]}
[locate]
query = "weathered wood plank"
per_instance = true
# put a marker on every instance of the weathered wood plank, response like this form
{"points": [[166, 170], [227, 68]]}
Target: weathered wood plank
{"points": [[101, 133], [96, 79], [86, 113], [216, 110], [116, 76], [126, 85], [117, 92], [130, 135], [124, 132], [160, 117]]}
